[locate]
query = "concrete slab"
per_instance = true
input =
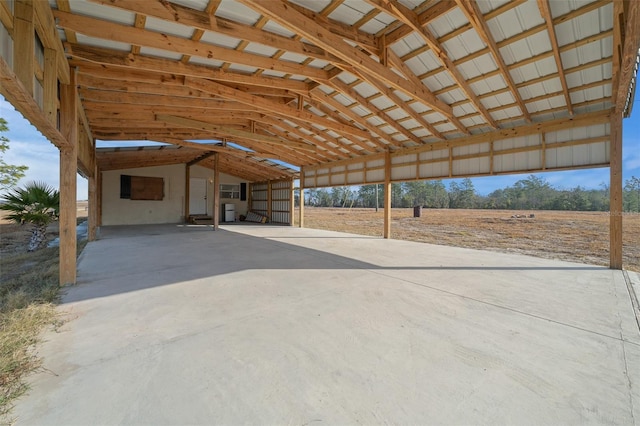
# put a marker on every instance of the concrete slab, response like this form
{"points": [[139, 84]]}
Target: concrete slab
{"points": [[275, 325]]}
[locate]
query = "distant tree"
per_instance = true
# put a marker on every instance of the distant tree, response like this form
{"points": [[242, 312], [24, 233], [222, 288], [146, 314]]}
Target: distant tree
{"points": [[462, 195], [438, 195], [342, 196], [9, 174], [415, 193], [532, 192], [319, 198], [367, 196], [37, 204], [631, 195]]}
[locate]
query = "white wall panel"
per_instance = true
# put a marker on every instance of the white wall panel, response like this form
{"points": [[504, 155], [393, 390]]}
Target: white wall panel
{"points": [[375, 175], [355, 178], [434, 170], [586, 146], [400, 173]]}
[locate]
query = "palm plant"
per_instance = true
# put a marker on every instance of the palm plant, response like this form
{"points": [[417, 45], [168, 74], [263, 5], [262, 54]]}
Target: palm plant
{"points": [[37, 204]]}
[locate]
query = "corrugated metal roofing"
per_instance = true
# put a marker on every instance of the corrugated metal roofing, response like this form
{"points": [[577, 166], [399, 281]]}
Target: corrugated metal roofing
{"points": [[270, 58]]}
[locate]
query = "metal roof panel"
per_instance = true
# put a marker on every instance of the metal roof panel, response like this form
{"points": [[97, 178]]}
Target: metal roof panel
{"points": [[106, 13], [447, 23], [274, 27], [262, 50], [220, 40], [99, 42], [165, 27], [238, 12], [350, 11]]}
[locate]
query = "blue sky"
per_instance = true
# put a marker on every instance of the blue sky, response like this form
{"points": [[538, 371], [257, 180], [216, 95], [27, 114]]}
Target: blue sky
{"points": [[29, 147]]}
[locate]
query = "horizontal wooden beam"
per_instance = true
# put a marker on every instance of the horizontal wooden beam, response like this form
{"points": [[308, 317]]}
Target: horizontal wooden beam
{"points": [[18, 96], [93, 27], [174, 12], [170, 72], [271, 107]]}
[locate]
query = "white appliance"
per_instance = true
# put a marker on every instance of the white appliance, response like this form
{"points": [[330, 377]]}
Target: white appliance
{"points": [[229, 212]]}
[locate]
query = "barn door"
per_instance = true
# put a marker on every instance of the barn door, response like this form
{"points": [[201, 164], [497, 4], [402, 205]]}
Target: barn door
{"points": [[197, 196]]}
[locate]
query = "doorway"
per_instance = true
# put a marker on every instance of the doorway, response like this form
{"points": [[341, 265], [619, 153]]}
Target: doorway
{"points": [[197, 196]]}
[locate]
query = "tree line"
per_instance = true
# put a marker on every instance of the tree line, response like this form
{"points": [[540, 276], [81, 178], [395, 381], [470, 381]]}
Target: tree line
{"points": [[532, 193]]}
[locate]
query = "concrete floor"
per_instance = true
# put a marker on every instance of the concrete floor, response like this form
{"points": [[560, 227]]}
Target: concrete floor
{"points": [[278, 325]]}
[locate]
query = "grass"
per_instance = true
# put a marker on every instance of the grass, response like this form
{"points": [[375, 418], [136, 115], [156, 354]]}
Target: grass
{"points": [[29, 290], [20, 332]]}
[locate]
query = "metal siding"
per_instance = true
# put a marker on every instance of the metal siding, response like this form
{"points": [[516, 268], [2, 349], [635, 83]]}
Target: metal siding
{"points": [[434, 170], [355, 178], [323, 180], [401, 173], [470, 166], [374, 176]]}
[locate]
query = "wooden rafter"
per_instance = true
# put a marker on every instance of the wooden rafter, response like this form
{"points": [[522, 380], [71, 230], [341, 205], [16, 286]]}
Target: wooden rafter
{"points": [[204, 21], [373, 71], [261, 84], [270, 106], [411, 19], [545, 11], [125, 34], [344, 88], [174, 69], [474, 15], [324, 99]]}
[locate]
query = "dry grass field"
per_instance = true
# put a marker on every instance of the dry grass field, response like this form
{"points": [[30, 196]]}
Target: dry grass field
{"points": [[574, 236]]}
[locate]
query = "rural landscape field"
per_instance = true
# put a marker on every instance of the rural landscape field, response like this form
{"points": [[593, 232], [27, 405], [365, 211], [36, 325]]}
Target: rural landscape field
{"points": [[566, 235]]}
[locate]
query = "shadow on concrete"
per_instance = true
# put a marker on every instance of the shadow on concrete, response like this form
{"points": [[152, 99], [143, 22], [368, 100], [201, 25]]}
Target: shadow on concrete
{"points": [[135, 258]]}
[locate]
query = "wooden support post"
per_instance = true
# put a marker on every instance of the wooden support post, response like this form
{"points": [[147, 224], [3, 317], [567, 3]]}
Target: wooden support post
{"points": [[99, 206], [269, 198], [187, 194], [68, 172], [50, 85], [249, 198], [387, 195], [615, 192], [216, 191], [292, 203], [301, 211], [543, 151], [24, 43], [92, 233]]}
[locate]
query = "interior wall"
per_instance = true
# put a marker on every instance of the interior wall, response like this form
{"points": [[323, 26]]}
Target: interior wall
{"points": [[118, 211]]}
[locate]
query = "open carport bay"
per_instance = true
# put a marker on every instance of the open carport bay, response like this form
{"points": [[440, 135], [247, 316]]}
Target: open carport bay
{"points": [[278, 325]]}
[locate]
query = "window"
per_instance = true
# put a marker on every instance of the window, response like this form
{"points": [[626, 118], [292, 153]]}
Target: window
{"points": [[141, 188], [229, 190]]}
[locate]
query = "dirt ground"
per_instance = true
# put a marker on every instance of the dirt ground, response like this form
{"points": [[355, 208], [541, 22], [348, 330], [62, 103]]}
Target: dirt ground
{"points": [[574, 236]]}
